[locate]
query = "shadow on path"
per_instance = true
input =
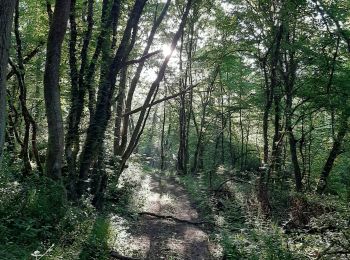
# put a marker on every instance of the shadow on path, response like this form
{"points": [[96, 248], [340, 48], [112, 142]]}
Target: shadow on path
{"points": [[155, 238]]}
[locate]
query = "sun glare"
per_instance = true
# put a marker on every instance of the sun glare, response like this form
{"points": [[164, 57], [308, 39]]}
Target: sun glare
{"points": [[166, 50]]}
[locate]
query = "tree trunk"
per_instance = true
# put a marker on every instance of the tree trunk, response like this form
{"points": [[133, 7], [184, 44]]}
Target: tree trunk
{"points": [[181, 166], [275, 164], [144, 113], [51, 89], [289, 76], [135, 80], [85, 80], [119, 113], [101, 116], [335, 151], [269, 92], [162, 139], [7, 8], [267, 108]]}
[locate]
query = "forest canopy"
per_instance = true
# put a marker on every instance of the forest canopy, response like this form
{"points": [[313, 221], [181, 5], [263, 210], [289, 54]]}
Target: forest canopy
{"points": [[245, 103]]}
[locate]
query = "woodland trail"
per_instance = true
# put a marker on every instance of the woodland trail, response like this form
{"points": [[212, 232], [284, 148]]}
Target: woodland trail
{"points": [[152, 237]]}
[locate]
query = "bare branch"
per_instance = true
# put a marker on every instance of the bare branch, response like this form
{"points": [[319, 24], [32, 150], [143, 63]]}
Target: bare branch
{"points": [[143, 58], [159, 101]]}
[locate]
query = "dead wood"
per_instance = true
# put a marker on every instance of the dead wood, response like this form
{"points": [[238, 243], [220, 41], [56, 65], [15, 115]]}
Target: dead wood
{"points": [[176, 219], [116, 255]]}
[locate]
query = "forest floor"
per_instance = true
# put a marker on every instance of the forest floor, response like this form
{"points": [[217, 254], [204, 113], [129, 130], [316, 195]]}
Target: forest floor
{"points": [[152, 236]]}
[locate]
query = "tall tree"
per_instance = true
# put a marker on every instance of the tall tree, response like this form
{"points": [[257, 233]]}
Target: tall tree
{"points": [[151, 95], [334, 152], [52, 91], [102, 113], [6, 15]]}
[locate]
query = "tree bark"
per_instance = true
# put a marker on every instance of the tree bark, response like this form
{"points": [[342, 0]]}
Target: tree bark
{"points": [[119, 112], [86, 77], [335, 151], [7, 8], [267, 108], [181, 165], [198, 155], [101, 116], [51, 89], [289, 64]]}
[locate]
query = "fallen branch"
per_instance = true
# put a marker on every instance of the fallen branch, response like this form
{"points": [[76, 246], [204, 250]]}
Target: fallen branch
{"points": [[116, 255], [176, 219]]}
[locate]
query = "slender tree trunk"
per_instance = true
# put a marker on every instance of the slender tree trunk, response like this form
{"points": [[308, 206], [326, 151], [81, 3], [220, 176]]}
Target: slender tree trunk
{"points": [[269, 92], [232, 152], [20, 73], [162, 139], [247, 141], [7, 8], [335, 151], [241, 129], [144, 113], [51, 89], [150, 144], [223, 123], [99, 122], [135, 80], [275, 164], [119, 113], [181, 167], [302, 147], [289, 76], [267, 108], [74, 75], [309, 149]]}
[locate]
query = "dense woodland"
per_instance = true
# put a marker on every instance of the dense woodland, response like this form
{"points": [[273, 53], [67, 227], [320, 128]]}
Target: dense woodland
{"points": [[241, 106]]}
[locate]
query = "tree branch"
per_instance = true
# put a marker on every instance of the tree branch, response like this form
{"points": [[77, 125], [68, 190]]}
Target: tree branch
{"points": [[142, 59], [159, 101], [26, 59]]}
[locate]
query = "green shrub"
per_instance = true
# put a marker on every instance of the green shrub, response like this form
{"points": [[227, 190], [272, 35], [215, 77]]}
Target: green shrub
{"points": [[96, 247]]}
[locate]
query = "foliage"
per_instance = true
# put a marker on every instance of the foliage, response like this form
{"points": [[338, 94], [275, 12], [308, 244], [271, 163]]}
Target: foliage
{"points": [[254, 119], [36, 219]]}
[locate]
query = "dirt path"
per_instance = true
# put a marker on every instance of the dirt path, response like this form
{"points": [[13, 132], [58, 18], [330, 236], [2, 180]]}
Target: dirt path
{"points": [[153, 238]]}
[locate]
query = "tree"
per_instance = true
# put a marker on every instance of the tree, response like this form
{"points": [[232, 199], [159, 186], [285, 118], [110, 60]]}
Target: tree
{"points": [[7, 8], [56, 35]]}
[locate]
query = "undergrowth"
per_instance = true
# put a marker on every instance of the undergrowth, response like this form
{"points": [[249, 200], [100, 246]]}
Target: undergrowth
{"points": [[246, 234], [37, 221]]}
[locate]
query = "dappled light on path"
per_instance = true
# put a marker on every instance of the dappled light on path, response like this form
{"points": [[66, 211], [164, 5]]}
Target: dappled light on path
{"points": [[149, 237]]}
